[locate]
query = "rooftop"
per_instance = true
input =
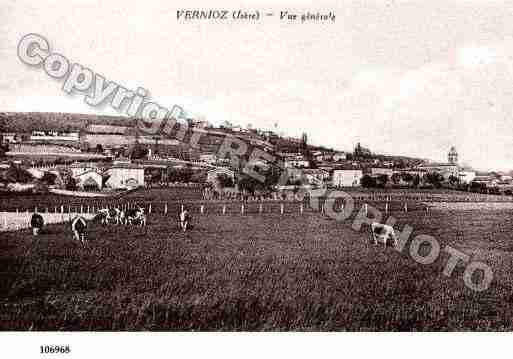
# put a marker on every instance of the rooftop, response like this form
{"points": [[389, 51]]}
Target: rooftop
{"points": [[108, 129]]}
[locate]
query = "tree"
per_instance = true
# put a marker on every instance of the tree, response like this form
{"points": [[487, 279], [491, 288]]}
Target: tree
{"points": [[361, 152], [15, 174], [416, 181], [179, 174], [4, 147], [49, 178], [138, 151], [199, 177], [84, 146], [227, 125], [453, 180], [185, 174], [407, 177], [71, 184], [477, 187], [154, 175], [367, 181], [249, 184], [304, 141], [434, 178], [272, 176], [224, 180], [382, 180], [396, 178]]}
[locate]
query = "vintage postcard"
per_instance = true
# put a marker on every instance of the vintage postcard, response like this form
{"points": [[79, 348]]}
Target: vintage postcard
{"points": [[171, 167]]}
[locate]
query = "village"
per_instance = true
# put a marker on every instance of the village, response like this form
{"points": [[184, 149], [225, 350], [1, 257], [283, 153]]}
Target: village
{"points": [[102, 158]]}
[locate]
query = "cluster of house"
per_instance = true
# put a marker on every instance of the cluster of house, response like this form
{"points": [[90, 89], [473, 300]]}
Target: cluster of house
{"points": [[332, 168], [118, 175], [39, 136]]}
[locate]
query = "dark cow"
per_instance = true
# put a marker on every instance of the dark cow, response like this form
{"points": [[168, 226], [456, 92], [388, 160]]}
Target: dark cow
{"points": [[36, 222], [135, 216], [79, 227], [112, 215]]}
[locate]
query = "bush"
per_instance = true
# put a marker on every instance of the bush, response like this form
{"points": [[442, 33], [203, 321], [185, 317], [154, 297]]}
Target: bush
{"points": [[71, 184], [367, 181], [15, 174], [49, 178], [225, 180]]}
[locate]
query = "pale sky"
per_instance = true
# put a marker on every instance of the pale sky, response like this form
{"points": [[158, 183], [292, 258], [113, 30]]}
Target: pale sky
{"points": [[401, 77]]}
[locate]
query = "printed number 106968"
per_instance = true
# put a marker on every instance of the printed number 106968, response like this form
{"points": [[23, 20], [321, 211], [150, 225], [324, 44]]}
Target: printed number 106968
{"points": [[55, 349]]}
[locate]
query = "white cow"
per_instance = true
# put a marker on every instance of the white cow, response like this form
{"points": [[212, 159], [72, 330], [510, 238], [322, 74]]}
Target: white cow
{"points": [[184, 220], [383, 233]]}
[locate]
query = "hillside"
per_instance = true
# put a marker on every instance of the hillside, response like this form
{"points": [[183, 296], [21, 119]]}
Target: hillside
{"points": [[29, 121]]}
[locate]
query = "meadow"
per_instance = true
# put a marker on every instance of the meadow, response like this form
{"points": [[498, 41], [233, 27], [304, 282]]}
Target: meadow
{"points": [[257, 271]]}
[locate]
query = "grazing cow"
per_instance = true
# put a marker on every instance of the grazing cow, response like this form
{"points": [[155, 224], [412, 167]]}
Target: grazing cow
{"points": [[110, 215], [122, 217], [185, 220], [36, 222], [136, 216], [79, 226], [114, 215], [103, 215], [383, 233]]}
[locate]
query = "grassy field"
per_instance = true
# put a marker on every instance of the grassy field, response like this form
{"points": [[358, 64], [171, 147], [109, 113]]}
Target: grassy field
{"points": [[254, 272], [159, 196], [22, 202]]}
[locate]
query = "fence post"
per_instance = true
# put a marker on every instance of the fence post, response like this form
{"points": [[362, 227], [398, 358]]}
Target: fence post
{"points": [[301, 208], [149, 209], [182, 207], [242, 209], [386, 207], [405, 206], [35, 209], [224, 209], [165, 208], [202, 208], [281, 208], [365, 208], [260, 208]]}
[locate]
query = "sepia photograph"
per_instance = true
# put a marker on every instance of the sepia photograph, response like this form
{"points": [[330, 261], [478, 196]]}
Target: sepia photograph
{"points": [[252, 170]]}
